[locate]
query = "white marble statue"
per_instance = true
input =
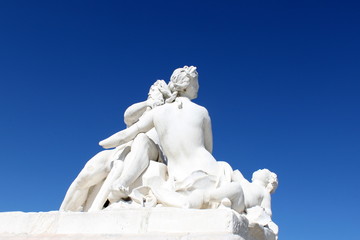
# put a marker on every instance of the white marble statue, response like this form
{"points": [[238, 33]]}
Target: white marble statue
{"points": [[257, 196], [127, 162], [164, 158], [184, 130]]}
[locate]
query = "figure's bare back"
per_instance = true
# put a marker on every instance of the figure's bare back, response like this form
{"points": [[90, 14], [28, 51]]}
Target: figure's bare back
{"points": [[182, 136]]}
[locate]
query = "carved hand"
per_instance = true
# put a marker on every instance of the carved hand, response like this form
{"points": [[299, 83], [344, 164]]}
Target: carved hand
{"points": [[113, 141]]}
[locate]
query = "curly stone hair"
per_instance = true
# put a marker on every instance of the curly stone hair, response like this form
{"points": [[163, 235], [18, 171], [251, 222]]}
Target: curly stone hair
{"points": [[269, 177], [180, 80]]}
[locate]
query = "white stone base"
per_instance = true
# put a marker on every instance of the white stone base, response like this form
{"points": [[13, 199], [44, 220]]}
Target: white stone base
{"points": [[134, 224]]}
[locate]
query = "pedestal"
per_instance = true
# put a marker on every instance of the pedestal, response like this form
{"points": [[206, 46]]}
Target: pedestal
{"points": [[133, 224]]}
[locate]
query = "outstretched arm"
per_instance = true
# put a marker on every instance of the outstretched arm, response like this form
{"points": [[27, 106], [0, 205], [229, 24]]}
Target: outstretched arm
{"points": [[134, 112], [155, 98], [144, 124], [266, 203]]}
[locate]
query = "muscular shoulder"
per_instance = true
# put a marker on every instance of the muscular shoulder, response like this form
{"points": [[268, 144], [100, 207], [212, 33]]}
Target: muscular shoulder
{"points": [[160, 111], [173, 107], [202, 110]]}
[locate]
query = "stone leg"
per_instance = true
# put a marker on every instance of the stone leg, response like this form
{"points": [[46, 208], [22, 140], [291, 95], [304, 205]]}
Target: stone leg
{"points": [[95, 170], [166, 196], [143, 149], [233, 192], [104, 192]]}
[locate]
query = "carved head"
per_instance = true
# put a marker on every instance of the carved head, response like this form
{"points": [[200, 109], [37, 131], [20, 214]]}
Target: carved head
{"points": [[268, 178], [184, 82]]}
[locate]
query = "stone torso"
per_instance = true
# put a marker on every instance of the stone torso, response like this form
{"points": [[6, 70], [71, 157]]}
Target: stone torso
{"points": [[181, 133]]}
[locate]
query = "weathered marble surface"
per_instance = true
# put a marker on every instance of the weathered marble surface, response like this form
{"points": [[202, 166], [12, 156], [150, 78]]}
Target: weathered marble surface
{"points": [[141, 223]]}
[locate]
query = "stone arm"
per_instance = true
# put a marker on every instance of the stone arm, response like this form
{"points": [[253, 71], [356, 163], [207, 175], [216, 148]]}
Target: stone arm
{"points": [[144, 124], [134, 112], [266, 204], [208, 134]]}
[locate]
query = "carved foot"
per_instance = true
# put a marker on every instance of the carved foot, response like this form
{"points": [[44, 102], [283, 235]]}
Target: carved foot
{"points": [[117, 193]]}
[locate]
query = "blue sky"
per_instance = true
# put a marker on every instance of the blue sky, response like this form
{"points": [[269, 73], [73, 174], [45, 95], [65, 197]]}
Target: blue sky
{"points": [[279, 78]]}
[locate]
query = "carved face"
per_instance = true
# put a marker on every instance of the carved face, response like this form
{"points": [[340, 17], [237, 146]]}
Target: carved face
{"points": [[268, 178], [192, 90]]}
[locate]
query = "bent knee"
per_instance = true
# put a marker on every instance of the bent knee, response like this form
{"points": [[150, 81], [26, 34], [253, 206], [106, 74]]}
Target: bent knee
{"points": [[144, 146], [143, 141], [141, 137], [102, 156], [82, 180], [90, 176]]}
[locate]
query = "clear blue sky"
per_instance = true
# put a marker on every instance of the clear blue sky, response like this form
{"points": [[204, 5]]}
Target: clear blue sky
{"points": [[279, 78]]}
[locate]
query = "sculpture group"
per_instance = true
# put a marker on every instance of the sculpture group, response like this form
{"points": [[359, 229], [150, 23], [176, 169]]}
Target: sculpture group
{"points": [[164, 159]]}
